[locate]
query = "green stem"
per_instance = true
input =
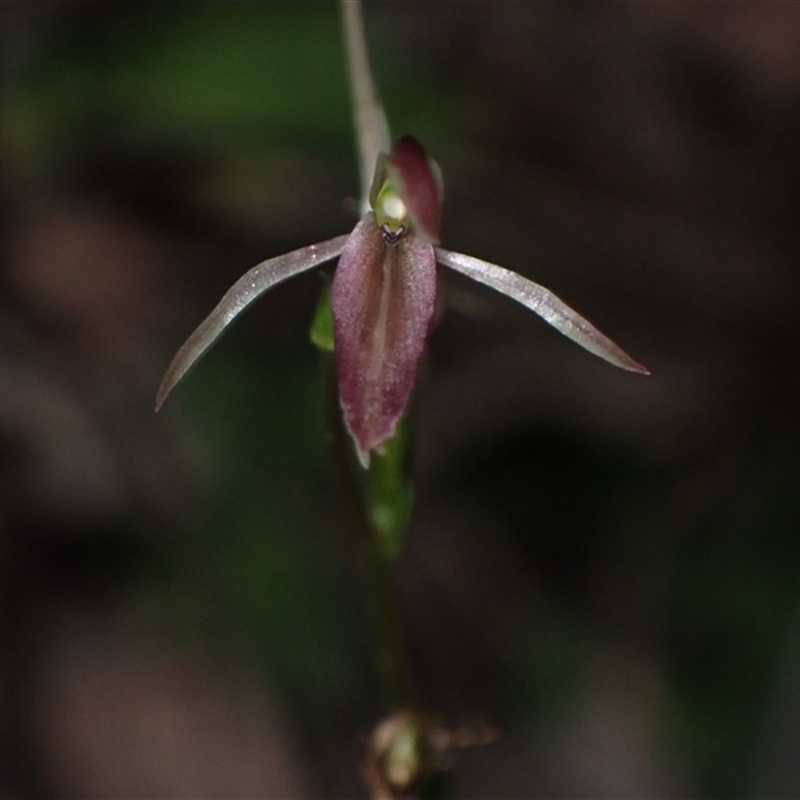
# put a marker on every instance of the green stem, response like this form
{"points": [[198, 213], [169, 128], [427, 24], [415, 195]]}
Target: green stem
{"points": [[389, 639], [377, 561]]}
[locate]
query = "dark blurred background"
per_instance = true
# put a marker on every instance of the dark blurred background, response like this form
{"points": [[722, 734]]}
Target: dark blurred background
{"points": [[604, 565]]}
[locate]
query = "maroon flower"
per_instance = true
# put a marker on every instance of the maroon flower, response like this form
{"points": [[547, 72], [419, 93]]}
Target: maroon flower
{"points": [[384, 294], [383, 297]]}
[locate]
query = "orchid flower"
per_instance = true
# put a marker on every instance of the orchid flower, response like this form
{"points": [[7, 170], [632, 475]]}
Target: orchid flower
{"points": [[383, 297]]}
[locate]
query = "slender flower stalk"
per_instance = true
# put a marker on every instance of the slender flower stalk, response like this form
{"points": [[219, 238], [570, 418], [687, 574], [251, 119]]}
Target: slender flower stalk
{"points": [[372, 129]]}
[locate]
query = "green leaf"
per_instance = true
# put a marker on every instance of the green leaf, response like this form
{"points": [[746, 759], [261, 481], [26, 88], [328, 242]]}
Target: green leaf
{"points": [[321, 332]]}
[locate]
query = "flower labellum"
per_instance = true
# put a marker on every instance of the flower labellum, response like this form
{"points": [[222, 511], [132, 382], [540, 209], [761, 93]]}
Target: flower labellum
{"points": [[384, 294], [383, 297]]}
